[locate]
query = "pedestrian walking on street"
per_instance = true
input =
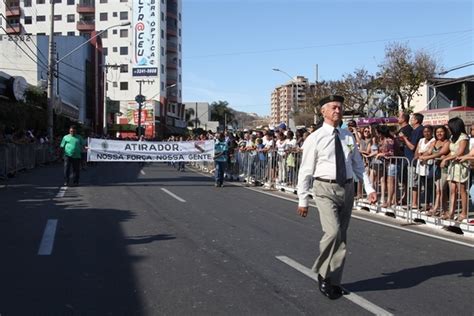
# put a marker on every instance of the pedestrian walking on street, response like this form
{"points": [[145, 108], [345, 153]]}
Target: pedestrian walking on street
{"points": [[331, 157], [220, 157], [72, 145]]}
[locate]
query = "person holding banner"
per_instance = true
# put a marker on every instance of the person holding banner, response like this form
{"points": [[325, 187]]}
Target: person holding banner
{"points": [[220, 158], [72, 144]]}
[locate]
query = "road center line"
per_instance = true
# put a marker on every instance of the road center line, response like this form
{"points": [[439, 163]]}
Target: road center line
{"points": [[354, 298], [62, 191], [173, 195], [47, 242]]}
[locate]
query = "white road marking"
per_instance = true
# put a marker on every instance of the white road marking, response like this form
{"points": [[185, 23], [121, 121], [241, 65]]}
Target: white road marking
{"points": [[47, 242], [295, 200], [62, 191], [173, 195], [354, 298], [142, 172]]}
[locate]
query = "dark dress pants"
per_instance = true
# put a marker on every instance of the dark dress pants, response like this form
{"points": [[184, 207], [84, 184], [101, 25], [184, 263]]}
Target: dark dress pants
{"points": [[74, 164]]}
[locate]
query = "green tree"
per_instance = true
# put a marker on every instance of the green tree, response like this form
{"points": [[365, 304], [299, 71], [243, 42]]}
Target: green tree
{"points": [[187, 116], [402, 72], [221, 112], [358, 89]]}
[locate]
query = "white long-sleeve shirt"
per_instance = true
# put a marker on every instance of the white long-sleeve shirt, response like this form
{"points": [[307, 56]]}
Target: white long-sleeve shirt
{"points": [[319, 160]]}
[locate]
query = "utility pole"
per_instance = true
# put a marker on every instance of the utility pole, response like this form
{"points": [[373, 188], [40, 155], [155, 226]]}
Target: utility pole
{"points": [[51, 65], [196, 117], [140, 99]]}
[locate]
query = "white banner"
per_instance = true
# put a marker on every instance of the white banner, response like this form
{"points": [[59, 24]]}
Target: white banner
{"points": [[134, 151]]}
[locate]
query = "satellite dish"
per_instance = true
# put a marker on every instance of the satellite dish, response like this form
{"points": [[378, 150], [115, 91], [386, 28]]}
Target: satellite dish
{"points": [[19, 86]]}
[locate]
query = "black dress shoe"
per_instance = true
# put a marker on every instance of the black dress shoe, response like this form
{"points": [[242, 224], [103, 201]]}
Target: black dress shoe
{"points": [[327, 289], [339, 290]]}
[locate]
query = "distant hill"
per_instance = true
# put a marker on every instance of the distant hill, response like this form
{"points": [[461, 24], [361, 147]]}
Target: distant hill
{"points": [[249, 120]]}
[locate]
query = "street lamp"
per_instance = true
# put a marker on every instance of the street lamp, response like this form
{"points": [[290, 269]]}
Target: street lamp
{"points": [[296, 97], [52, 64]]}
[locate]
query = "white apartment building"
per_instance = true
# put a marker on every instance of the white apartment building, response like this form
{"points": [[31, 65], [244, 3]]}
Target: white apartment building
{"points": [[287, 98], [149, 49]]}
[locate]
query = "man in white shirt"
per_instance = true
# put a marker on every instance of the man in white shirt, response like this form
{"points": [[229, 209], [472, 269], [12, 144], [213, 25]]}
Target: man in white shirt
{"points": [[331, 157]]}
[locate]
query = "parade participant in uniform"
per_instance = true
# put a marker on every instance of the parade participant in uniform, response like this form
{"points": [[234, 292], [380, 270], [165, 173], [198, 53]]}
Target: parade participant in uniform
{"points": [[331, 157], [72, 144]]}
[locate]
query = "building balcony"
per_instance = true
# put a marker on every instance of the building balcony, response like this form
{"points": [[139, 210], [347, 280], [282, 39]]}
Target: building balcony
{"points": [[172, 8], [85, 26], [171, 47], [171, 29], [85, 7], [171, 64], [15, 28], [11, 12], [172, 98]]}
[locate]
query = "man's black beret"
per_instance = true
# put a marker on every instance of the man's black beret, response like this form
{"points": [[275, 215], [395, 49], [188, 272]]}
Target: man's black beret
{"points": [[331, 98]]}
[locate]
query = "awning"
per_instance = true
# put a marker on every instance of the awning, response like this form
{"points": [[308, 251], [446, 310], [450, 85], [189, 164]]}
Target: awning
{"points": [[377, 120]]}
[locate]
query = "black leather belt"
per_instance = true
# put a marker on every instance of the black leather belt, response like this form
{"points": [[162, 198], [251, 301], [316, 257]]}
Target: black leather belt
{"points": [[332, 181]]}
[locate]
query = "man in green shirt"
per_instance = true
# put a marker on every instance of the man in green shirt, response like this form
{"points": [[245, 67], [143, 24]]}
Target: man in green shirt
{"points": [[72, 145]]}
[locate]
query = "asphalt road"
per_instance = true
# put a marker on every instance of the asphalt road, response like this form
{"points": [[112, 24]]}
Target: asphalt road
{"points": [[134, 240]]}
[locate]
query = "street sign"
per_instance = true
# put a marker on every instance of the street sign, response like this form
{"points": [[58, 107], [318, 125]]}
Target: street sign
{"points": [[140, 98]]}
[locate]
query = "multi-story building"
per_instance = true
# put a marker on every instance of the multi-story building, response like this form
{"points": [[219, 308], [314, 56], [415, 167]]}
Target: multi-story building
{"points": [[147, 50], [288, 98]]}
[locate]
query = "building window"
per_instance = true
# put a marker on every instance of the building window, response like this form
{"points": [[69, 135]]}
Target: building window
{"points": [[114, 14], [70, 2], [179, 47], [103, 1], [124, 15], [179, 32], [123, 68], [123, 33], [124, 86], [123, 0], [162, 34], [40, 34], [27, 3], [124, 50], [70, 18], [58, 17], [179, 63], [162, 69], [104, 35], [162, 85], [179, 16], [114, 32], [105, 51], [28, 20], [58, 33], [179, 78], [103, 16], [162, 51], [40, 1], [114, 49], [162, 16], [40, 18], [114, 84], [71, 34]]}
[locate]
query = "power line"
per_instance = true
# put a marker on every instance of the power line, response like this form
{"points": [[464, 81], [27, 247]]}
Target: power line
{"points": [[326, 45]]}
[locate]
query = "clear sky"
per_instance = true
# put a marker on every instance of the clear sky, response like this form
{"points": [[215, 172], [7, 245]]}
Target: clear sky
{"points": [[231, 46]]}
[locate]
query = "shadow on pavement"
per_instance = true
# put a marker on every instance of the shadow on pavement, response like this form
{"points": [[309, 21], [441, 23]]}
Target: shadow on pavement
{"points": [[411, 277]]}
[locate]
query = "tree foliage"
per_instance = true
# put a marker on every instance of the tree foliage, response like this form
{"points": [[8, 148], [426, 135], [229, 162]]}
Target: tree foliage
{"points": [[402, 72], [221, 112]]}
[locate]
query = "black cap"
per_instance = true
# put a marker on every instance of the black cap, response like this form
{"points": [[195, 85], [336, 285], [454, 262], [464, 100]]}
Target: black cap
{"points": [[331, 98]]}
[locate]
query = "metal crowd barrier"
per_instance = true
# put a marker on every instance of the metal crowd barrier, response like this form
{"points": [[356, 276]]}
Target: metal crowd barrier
{"points": [[18, 157], [404, 190]]}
